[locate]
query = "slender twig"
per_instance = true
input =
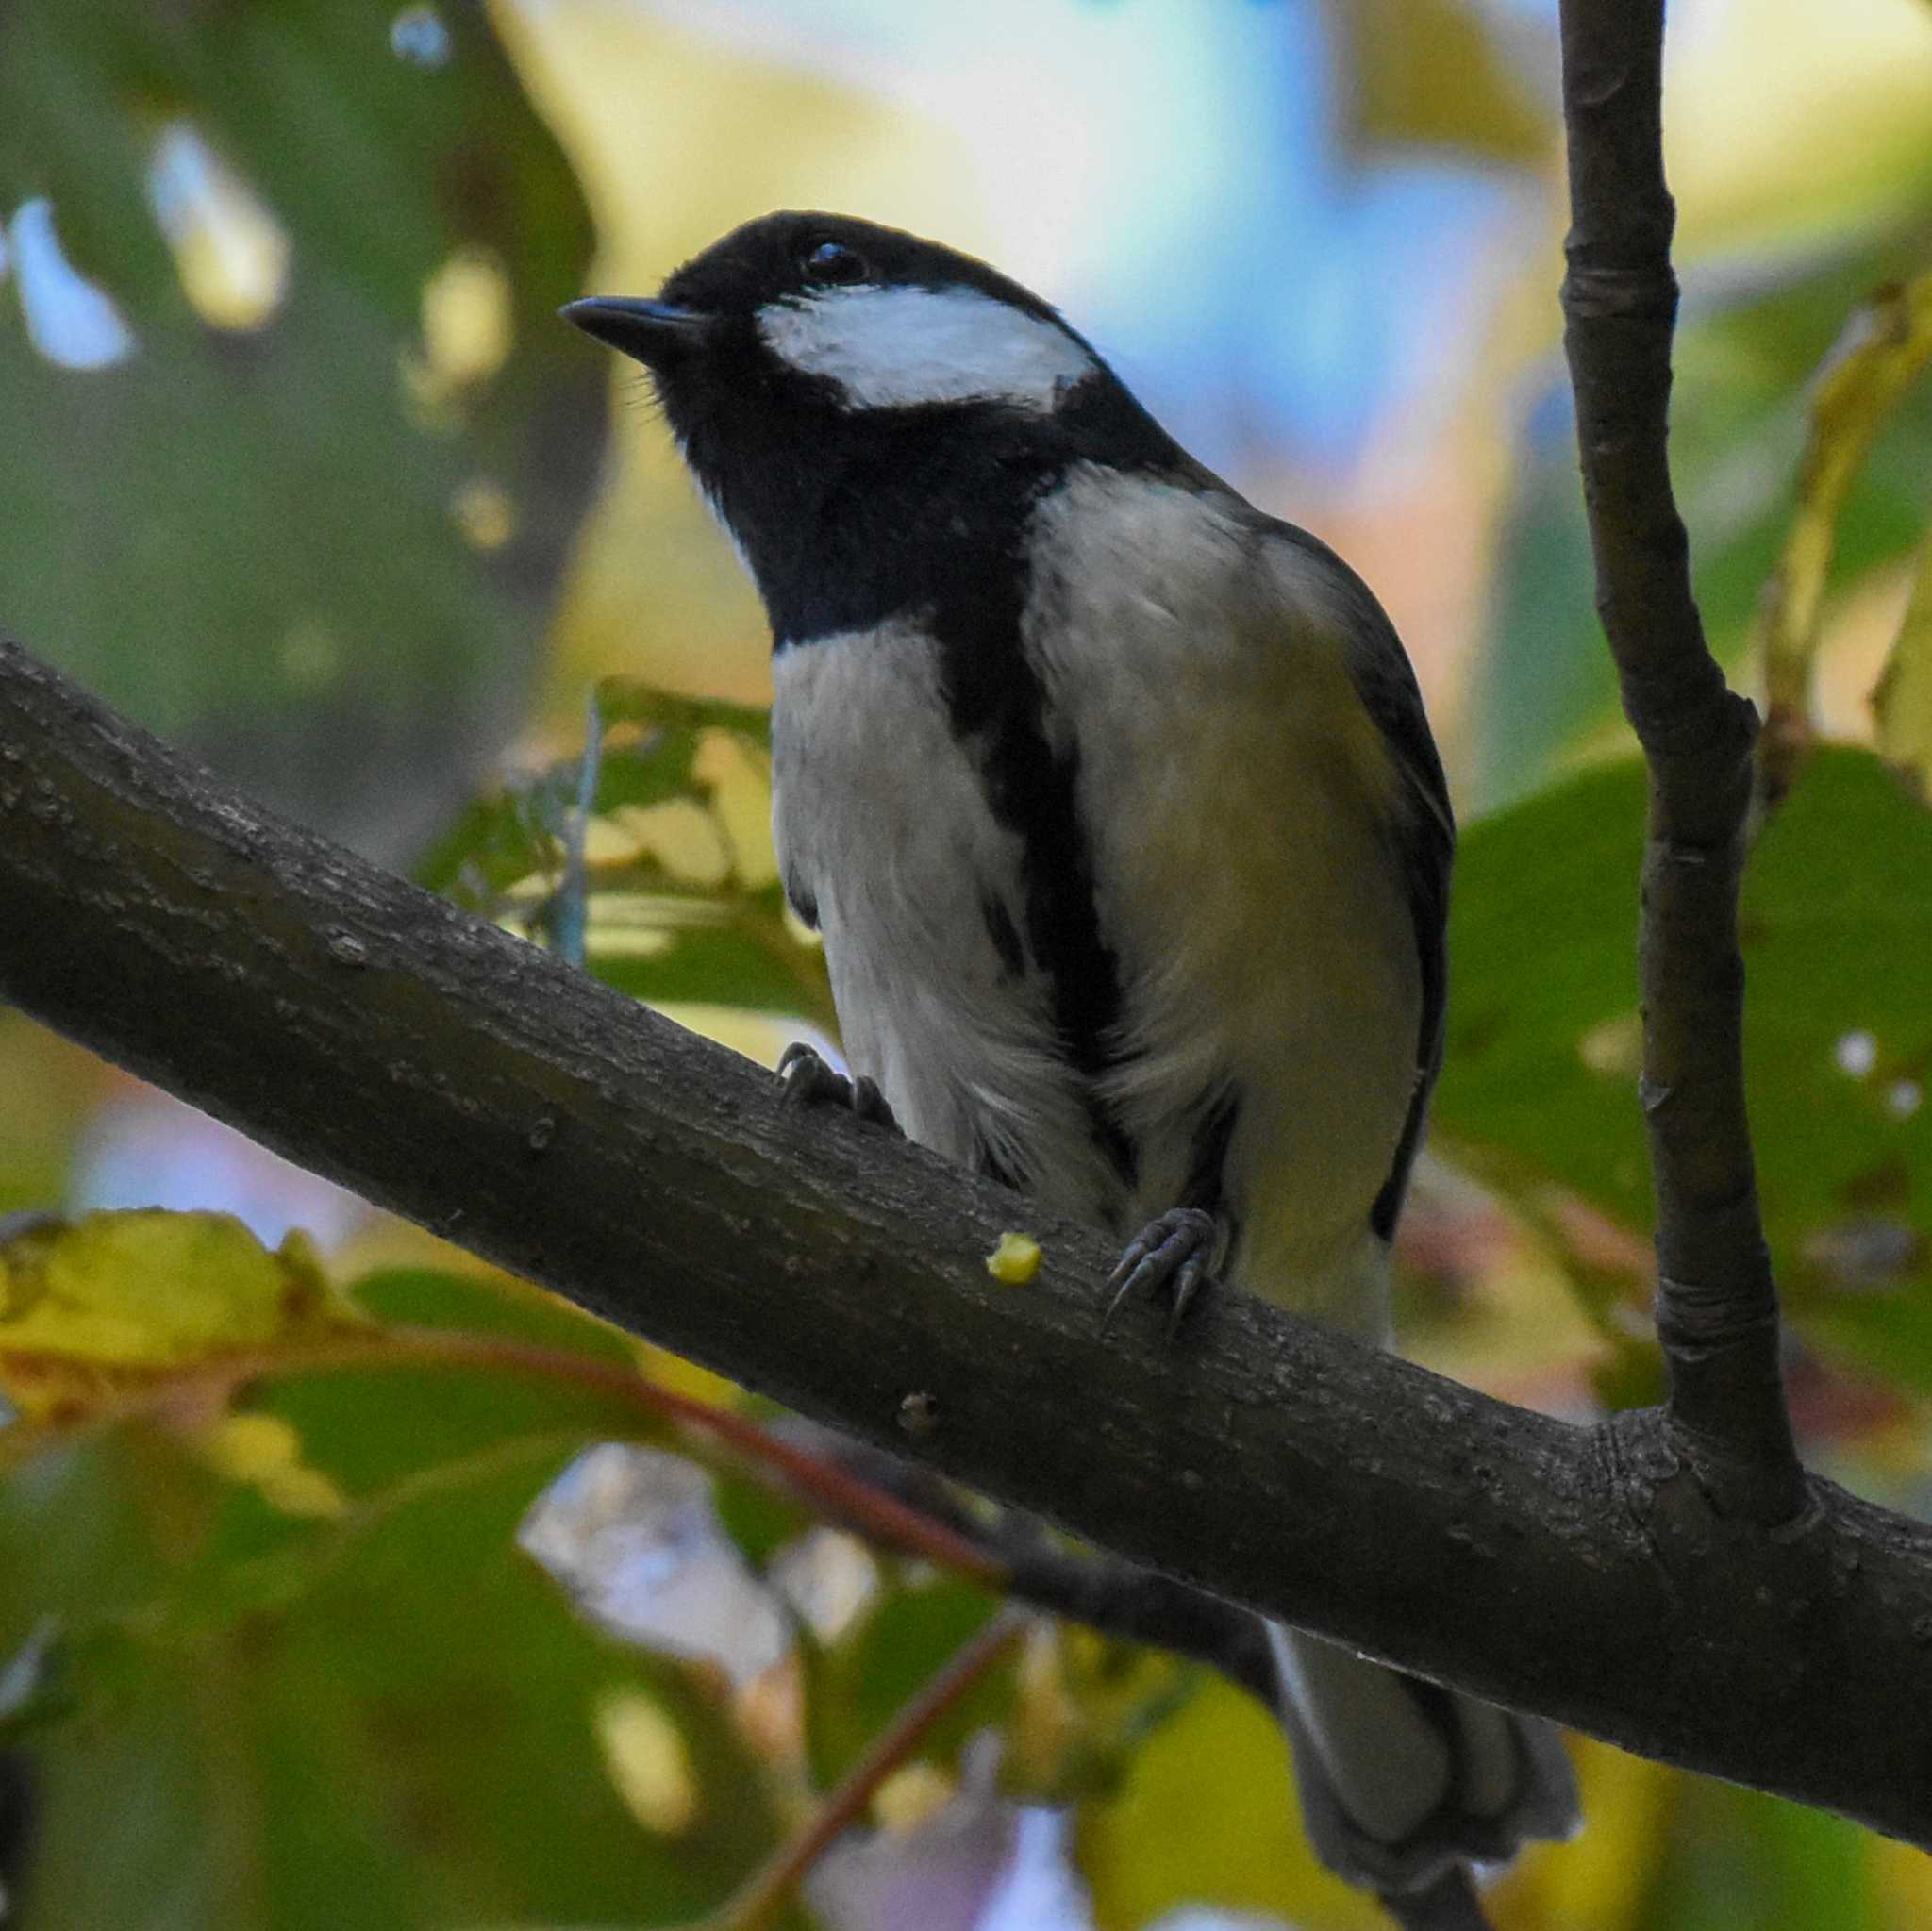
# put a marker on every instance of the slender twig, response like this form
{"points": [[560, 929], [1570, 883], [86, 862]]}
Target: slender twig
{"points": [[888, 1502], [1717, 1304], [819, 1479], [570, 904], [765, 1892]]}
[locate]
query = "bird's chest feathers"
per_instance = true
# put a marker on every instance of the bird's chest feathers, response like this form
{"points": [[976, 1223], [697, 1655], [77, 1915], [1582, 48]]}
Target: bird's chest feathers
{"points": [[886, 830], [881, 814]]}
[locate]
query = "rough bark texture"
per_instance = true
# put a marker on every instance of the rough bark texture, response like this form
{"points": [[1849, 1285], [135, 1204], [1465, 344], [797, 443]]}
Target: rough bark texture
{"points": [[478, 1086], [1717, 1305]]}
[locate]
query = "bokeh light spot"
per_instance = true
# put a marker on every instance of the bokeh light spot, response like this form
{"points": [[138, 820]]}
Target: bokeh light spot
{"points": [[231, 253], [69, 320], [484, 513], [419, 36]]}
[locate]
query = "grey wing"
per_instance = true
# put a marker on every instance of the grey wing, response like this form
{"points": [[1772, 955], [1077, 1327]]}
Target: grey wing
{"points": [[1424, 832]]}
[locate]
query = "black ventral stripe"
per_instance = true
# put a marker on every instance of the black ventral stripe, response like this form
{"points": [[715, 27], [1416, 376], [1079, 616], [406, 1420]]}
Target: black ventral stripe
{"points": [[999, 710]]}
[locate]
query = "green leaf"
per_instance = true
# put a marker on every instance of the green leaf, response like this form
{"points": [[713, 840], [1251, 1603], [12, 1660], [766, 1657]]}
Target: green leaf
{"points": [[368, 1429], [857, 1684], [1538, 1085], [1087, 1705], [302, 536], [424, 1736], [759, 1518], [496, 1305], [1733, 1857], [631, 700]]}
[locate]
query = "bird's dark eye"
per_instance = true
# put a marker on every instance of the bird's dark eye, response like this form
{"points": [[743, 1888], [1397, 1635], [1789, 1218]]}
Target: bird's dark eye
{"points": [[832, 262]]}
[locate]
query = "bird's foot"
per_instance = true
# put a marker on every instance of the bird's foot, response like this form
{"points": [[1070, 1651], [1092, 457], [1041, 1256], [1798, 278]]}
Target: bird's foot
{"points": [[1169, 1256], [808, 1081]]}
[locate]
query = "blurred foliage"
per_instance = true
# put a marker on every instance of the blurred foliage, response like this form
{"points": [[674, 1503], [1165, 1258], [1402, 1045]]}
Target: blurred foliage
{"points": [[267, 1573], [667, 886], [1545, 689], [1207, 1811], [1538, 1083], [70, 1334], [373, 1713], [1880, 354], [330, 489], [1395, 53], [1902, 704], [855, 1682], [278, 1656]]}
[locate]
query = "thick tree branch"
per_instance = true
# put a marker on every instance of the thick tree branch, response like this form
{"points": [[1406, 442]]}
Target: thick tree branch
{"points": [[483, 1088], [1717, 1304]]}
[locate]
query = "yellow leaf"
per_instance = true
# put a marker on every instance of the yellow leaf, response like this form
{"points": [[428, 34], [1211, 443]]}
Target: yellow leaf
{"points": [[91, 1306], [1209, 1816], [1015, 1260], [686, 1377], [1902, 1877], [1603, 1880], [1881, 354], [1902, 704]]}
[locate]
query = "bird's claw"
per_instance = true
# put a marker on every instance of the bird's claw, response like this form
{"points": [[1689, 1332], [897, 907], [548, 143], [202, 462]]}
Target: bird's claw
{"points": [[808, 1081], [1170, 1255]]}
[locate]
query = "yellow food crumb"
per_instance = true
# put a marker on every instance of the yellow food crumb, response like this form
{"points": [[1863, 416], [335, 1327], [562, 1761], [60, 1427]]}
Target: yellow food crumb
{"points": [[1015, 1260]]}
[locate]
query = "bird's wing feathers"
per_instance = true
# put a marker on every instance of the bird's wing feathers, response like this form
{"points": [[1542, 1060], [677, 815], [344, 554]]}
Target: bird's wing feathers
{"points": [[1423, 828]]}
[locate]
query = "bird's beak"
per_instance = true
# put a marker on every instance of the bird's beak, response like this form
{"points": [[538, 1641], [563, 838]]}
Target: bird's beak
{"points": [[655, 333]]}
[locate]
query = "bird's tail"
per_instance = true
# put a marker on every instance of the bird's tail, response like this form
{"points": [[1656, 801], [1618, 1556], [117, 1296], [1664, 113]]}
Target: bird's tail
{"points": [[1400, 1779]]}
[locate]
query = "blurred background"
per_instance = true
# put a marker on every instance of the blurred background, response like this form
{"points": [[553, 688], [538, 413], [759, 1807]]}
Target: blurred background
{"points": [[298, 468]]}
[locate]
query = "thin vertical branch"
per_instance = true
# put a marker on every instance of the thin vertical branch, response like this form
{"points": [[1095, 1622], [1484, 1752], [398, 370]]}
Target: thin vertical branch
{"points": [[1717, 1302]]}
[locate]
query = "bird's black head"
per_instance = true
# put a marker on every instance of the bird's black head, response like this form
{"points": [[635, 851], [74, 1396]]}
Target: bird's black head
{"points": [[837, 387]]}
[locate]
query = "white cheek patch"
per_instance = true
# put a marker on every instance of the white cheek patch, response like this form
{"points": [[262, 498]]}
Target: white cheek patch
{"points": [[898, 347]]}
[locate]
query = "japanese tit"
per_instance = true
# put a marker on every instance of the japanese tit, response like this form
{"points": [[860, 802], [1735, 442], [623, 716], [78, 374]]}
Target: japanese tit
{"points": [[1114, 801]]}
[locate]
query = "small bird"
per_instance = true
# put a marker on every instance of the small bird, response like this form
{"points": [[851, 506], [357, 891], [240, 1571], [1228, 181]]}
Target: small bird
{"points": [[1115, 804]]}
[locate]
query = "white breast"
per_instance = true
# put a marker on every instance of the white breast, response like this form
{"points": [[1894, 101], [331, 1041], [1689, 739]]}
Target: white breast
{"points": [[880, 814]]}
